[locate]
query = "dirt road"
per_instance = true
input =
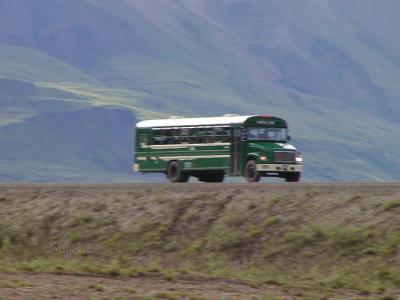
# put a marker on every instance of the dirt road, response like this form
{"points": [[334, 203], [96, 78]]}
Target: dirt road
{"points": [[48, 286]]}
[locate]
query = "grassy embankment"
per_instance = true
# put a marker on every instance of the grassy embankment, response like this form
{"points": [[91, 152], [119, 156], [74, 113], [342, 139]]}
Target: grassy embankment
{"points": [[312, 242]]}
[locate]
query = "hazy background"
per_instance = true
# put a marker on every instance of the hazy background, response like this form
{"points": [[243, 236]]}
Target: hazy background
{"points": [[75, 76]]}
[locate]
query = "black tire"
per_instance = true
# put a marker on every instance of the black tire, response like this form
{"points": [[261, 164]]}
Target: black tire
{"points": [[175, 173], [212, 177], [292, 177], [250, 171]]}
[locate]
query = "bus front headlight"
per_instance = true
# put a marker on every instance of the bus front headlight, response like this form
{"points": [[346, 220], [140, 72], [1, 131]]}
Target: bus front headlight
{"points": [[263, 158], [299, 158]]}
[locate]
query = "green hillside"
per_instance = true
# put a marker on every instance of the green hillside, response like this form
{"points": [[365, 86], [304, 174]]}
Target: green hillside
{"points": [[331, 69]]}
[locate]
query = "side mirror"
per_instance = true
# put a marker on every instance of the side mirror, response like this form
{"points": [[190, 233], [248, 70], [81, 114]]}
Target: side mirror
{"points": [[289, 138]]}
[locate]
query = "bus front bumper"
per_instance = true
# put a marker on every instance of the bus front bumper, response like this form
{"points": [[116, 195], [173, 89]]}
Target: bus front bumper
{"points": [[279, 168]]}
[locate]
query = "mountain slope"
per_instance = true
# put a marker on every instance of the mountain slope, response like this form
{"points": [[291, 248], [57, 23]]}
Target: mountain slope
{"points": [[330, 68], [80, 144]]}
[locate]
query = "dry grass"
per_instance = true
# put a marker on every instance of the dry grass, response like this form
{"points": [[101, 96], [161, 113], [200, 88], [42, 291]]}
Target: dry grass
{"points": [[306, 240]]}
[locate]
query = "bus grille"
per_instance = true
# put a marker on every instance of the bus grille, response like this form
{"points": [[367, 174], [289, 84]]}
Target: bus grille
{"points": [[285, 157]]}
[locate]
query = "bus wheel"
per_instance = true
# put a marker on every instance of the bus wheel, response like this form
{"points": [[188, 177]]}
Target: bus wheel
{"points": [[292, 177], [175, 173], [250, 171]]}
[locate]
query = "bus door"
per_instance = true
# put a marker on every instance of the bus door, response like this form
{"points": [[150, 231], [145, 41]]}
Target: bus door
{"points": [[235, 151]]}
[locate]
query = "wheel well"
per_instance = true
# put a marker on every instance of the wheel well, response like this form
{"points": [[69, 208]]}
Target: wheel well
{"points": [[171, 161], [250, 157]]}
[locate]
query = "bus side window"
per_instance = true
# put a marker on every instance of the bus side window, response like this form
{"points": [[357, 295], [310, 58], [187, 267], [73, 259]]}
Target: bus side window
{"points": [[193, 137], [210, 135], [143, 140], [169, 137], [201, 135], [158, 138], [176, 136], [184, 135], [219, 132], [155, 140], [226, 135]]}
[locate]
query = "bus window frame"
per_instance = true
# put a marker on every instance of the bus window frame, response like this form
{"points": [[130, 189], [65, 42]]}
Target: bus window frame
{"points": [[191, 135]]}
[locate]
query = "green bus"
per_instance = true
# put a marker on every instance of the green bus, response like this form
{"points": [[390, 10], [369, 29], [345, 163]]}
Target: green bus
{"points": [[210, 148]]}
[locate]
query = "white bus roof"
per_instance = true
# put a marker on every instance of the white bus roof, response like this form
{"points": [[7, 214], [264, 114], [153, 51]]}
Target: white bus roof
{"points": [[192, 121]]}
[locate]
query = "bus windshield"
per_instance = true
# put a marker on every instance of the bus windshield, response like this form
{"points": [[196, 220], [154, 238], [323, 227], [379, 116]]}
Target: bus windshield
{"points": [[267, 134]]}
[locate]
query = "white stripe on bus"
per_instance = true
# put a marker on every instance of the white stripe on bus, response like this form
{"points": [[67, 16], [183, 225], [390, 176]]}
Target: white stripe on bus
{"points": [[192, 157], [171, 146]]}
